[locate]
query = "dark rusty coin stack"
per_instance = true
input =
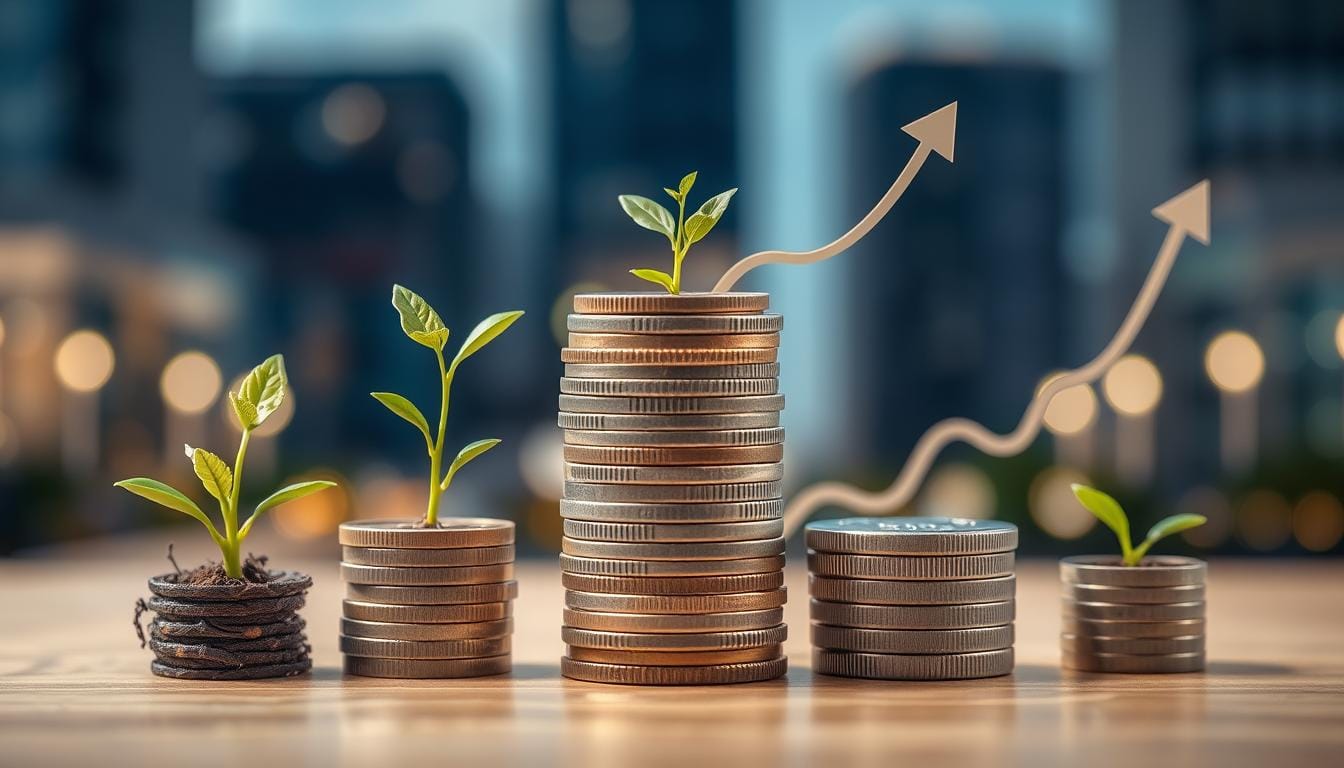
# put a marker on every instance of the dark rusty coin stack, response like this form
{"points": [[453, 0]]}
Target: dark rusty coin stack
{"points": [[912, 598], [428, 602], [1147, 618], [673, 551]]}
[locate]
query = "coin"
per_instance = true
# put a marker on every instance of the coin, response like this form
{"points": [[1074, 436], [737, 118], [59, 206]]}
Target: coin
{"points": [[451, 532], [672, 405], [912, 536], [680, 341], [413, 577], [427, 668], [1133, 611], [450, 595], [890, 666], [636, 512], [636, 532], [675, 604], [620, 371], [674, 475], [718, 674], [426, 632], [651, 303], [415, 558], [465, 613], [679, 494], [1085, 644], [681, 439], [673, 550], [1100, 594], [427, 649], [913, 616], [607, 621], [673, 658], [673, 585], [681, 642], [1076, 626], [668, 356], [912, 641], [608, 567], [1147, 664], [675, 324], [877, 592], [917, 568], [671, 387], [686, 422], [1155, 571]]}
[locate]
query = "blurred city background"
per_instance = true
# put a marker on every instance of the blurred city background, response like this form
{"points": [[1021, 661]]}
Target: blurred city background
{"points": [[186, 188]]}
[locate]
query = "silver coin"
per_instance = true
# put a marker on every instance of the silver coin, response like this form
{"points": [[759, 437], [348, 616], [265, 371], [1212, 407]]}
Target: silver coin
{"points": [[697, 514], [464, 594], [675, 324], [917, 568], [413, 577], [663, 457], [413, 558], [669, 387], [609, 567], [688, 642], [675, 604], [912, 536], [663, 422], [1137, 629], [912, 641], [1088, 644], [727, 438], [384, 630], [654, 623], [672, 405], [450, 533], [673, 585], [1134, 611], [676, 494], [1155, 571], [673, 550], [890, 666], [660, 341], [659, 303], [878, 592], [687, 532], [425, 649], [619, 371], [913, 616], [712, 474], [668, 356], [1131, 664], [1094, 593]]}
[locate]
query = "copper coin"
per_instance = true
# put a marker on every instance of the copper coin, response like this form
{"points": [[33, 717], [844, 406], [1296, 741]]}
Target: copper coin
{"points": [[718, 674], [674, 585], [663, 325], [669, 387], [426, 632], [891, 666], [737, 454], [674, 658], [673, 550], [617, 371], [412, 577], [685, 532], [675, 604], [605, 621], [878, 592], [721, 438], [464, 613], [608, 567], [580, 340], [418, 558], [912, 641], [451, 532], [409, 669], [654, 303], [497, 592], [427, 649], [691, 641], [917, 568], [913, 616], [667, 422]]}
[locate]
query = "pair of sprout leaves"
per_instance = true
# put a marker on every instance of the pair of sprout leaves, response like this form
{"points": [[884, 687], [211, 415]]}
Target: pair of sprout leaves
{"points": [[681, 232], [1109, 512]]}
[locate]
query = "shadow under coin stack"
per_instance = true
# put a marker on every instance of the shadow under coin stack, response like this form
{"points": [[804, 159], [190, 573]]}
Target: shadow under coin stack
{"points": [[912, 598], [1147, 618], [673, 552], [428, 602]]}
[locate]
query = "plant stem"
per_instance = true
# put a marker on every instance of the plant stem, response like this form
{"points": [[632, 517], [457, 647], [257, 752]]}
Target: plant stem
{"points": [[436, 457], [233, 565], [677, 252]]}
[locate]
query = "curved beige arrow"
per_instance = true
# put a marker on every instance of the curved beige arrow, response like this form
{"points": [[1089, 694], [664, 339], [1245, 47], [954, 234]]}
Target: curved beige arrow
{"points": [[1187, 214], [935, 131]]}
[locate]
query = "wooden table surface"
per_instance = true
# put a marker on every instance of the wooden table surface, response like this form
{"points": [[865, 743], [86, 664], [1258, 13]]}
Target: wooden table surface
{"points": [[75, 689]]}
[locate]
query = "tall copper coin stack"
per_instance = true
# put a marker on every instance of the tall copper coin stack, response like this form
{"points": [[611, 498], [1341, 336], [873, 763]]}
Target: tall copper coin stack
{"points": [[912, 598], [673, 552], [428, 602]]}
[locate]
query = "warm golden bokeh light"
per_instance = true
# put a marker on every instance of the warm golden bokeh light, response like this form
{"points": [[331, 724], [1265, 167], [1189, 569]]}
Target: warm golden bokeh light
{"points": [[2, 331], [352, 114], [1264, 520], [541, 461], [1072, 410], [190, 382], [1339, 335], [315, 516], [1051, 503], [84, 361], [1318, 521], [958, 490], [1234, 362], [1133, 385]]}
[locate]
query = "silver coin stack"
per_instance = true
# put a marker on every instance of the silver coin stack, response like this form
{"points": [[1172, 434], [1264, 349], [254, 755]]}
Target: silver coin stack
{"points": [[1147, 618], [673, 551], [428, 602], [912, 598]]}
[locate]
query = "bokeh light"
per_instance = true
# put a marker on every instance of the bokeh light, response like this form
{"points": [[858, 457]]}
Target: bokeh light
{"points": [[541, 460], [1234, 362], [190, 382], [1339, 336], [352, 114], [1133, 385], [1072, 410], [1264, 520], [2, 331], [314, 516], [958, 490], [9, 441], [1318, 521], [1051, 503], [84, 361], [1214, 505]]}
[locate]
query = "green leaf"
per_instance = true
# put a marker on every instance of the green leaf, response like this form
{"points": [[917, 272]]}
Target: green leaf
{"points": [[170, 497], [263, 389], [485, 332], [406, 410], [687, 182], [1175, 524], [1107, 510], [655, 276], [419, 320], [288, 493], [649, 215], [215, 475], [245, 411], [672, 193], [703, 220], [466, 455]]}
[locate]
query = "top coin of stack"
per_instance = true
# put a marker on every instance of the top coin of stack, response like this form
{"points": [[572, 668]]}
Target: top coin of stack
{"points": [[427, 602], [673, 548], [912, 598]]}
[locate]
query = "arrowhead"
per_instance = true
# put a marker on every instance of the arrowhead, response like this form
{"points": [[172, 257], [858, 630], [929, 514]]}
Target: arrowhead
{"points": [[937, 129], [1188, 211]]}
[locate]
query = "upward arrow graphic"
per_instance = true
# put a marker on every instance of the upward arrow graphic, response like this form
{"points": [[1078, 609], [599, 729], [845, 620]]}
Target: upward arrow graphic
{"points": [[935, 132], [1185, 214]]}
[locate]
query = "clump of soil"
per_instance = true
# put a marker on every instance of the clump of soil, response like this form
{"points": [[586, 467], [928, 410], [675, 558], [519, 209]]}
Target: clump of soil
{"points": [[212, 574]]}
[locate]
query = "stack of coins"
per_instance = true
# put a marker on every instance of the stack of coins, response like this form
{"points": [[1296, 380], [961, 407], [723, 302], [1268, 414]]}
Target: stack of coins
{"points": [[426, 602], [913, 598], [1147, 618], [673, 552]]}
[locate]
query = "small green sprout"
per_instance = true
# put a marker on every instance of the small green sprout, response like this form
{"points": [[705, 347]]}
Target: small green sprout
{"points": [[1108, 511], [650, 215], [425, 327], [260, 395]]}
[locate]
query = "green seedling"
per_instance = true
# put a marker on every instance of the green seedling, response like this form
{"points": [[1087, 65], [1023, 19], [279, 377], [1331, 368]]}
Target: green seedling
{"points": [[1108, 511], [425, 327], [260, 395], [681, 233]]}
